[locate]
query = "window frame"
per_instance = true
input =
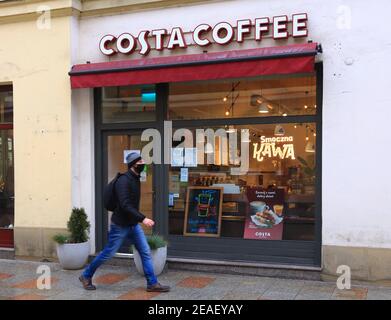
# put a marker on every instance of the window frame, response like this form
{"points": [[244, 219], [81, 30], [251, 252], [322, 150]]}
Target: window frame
{"points": [[294, 252]]}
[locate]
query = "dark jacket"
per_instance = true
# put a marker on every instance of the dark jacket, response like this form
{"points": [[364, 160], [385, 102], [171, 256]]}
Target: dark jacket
{"points": [[127, 190]]}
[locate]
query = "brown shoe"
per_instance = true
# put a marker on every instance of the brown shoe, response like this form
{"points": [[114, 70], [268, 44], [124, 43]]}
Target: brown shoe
{"points": [[87, 283], [157, 287]]}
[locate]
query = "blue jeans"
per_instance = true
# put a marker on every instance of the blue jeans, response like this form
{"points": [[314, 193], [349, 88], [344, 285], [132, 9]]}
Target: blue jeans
{"points": [[117, 235]]}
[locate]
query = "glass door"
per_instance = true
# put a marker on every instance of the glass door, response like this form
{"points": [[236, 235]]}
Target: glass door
{"points": [[117, 145]]}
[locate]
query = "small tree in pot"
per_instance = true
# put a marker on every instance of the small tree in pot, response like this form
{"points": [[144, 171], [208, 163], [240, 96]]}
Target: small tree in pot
{"points": [[158, 248], [73, 249]]}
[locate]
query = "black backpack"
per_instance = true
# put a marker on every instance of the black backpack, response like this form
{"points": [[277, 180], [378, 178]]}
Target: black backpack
{"points": [[109, 197]]}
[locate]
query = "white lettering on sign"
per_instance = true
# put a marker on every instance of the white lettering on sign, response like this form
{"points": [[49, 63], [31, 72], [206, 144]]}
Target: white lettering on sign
{"points": [[176, 39], [280, 27], [126, 43], [262, 234], [261, 27], [276, 139], [143, 39], [102, 45], [243, 28], [158, 34], [198, 35], [219, 30], [222, 33], [299, 25], [268, 148]]}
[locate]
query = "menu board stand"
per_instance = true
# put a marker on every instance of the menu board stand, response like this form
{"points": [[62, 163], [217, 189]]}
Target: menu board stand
{"points": [[203, 211]]}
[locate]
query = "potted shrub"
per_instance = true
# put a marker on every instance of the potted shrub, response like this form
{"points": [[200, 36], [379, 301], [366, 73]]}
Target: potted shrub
{"points": [[73, 249], [158, 248]]}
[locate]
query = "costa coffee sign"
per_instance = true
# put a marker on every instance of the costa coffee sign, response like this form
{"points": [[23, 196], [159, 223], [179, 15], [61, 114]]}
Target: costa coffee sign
{"points": [[204, 34]]}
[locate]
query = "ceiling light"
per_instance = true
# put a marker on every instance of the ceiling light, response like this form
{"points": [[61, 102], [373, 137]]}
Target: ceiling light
{"points": [[279, 130], [225, 99], [256, 100], [263, 108], [295, 126], [314, 134], [315, 106], [305, 106], [309, 147], [284, 114], [306, 138], [227, 113]]}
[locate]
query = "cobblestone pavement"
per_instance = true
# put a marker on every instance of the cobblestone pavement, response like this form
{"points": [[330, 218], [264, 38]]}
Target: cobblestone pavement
{"points": [[18, 281]]}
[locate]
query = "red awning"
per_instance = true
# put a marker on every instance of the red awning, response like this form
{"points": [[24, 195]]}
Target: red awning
{"points": [[297, 58]]}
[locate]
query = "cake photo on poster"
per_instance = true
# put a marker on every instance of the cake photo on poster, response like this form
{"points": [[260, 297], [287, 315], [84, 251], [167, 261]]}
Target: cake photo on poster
{"points": [[264, 219]]}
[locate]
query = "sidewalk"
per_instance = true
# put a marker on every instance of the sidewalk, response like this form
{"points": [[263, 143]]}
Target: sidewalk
{"points": [[18, 282]]}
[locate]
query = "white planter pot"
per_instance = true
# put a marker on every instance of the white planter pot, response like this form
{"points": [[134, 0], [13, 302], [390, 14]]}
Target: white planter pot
{"points": [[159, 257], [73, 256]]}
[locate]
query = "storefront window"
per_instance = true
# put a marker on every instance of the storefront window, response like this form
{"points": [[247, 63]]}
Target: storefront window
{"points": [[272, 199], [6, 167], [128, 104], [241, 98], [250, 182], [6, 106]]}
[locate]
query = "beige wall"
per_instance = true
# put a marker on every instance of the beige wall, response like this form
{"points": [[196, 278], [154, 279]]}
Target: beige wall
{"points": [[365, 263], [36, 61]]}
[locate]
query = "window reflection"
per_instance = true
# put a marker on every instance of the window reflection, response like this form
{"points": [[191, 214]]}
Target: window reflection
{"points": [[253, 97], [128, 104]]}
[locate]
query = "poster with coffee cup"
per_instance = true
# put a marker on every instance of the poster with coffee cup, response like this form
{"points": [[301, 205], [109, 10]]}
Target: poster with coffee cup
{"points": [[264, 219]]}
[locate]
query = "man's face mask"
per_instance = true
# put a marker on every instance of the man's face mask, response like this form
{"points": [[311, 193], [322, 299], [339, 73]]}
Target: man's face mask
{"points": [[139, 168]]}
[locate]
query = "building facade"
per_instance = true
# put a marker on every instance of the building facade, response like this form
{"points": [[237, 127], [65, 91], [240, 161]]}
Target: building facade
{"points": [[289, 85]]}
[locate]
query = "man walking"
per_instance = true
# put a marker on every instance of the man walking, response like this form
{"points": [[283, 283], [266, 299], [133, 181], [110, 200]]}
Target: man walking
{"points": [[125, 224]]}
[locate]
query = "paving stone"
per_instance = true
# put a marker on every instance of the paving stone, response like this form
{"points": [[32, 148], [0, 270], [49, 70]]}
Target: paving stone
{"points": [[179, 293], [273, 294], [102, 293], [111, 278], [5, 276], [291, 283], [246, 281], [28, 296], [175, 277], [31, 284], [195, 282], [11, 292], [210, 292], [240, 296], [315, 292], [131, 282], [123, 282], [379, 294], [138, 294], [350, 294]]}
